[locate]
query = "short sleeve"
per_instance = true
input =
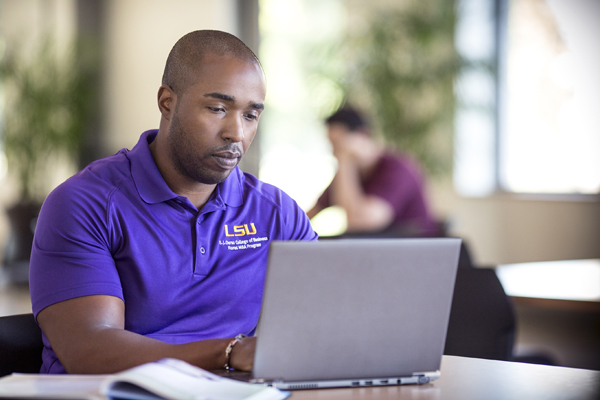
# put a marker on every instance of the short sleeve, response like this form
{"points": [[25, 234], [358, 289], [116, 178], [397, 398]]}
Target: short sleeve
{"points": [[296, 223], [395, 182], [71, 254]]}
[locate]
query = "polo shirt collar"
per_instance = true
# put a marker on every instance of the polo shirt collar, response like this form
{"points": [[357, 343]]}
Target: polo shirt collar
{"points": [[147, 178], [231, 189], [152, 187]]}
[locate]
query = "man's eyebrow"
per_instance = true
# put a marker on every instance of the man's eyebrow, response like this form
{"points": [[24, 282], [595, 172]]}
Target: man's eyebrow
{"points": [[220, 96], [226, 97]]}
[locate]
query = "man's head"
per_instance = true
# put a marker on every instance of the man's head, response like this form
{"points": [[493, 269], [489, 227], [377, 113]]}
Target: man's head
{"points": [[187, 55], [211, 98], [351, 119], [348, 132]]}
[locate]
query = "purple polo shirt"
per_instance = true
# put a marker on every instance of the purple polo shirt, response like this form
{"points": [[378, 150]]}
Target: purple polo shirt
{"points": [[116, 229]]}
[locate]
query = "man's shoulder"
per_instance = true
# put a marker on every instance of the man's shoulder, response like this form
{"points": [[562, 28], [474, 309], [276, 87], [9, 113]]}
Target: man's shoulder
{"points": [[98, 179], [275, 205], [394, 157], [401, 162], [254, 187]]}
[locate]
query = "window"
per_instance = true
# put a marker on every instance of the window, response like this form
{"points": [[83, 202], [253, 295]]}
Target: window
{"points": [[545, 136], [295, 152]]}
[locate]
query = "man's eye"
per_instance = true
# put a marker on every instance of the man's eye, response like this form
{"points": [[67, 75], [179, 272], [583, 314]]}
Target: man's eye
{"points": [[216, 109], [251, 117]]}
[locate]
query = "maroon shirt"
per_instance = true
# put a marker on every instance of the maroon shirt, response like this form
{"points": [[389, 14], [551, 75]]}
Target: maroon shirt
{"points": [[398, 181]]}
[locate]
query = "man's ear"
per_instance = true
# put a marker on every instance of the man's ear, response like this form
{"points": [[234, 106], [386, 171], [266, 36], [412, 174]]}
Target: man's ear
{"points": [[166, 101]]}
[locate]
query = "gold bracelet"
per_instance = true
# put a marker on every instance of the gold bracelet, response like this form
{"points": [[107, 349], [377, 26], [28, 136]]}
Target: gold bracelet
{"points": [[229, 348]]}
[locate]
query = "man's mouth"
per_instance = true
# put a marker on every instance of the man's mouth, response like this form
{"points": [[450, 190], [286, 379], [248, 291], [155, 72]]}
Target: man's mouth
{"points": [[227, 159]]}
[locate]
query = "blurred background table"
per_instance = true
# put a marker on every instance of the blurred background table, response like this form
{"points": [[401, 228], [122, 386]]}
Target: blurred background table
{"points": [[557, 304], [570, 284]]}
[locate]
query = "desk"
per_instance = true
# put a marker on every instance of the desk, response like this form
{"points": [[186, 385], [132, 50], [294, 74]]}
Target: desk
{"points": [[572, 284], [471, 378], [557, 304]]}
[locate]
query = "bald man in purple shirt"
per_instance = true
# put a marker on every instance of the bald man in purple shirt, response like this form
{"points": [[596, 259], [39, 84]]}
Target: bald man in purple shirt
{"points": [[160, 251]]}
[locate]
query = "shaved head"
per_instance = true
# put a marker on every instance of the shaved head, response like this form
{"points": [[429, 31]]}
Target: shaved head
{"points": [[186, 57]]}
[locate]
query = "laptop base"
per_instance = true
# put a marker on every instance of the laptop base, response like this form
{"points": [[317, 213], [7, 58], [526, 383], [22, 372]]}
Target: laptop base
{"points": [[415, 379]]}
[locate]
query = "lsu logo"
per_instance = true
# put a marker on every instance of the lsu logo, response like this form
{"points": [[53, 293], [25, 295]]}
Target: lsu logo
{"points": [[241, 230]]}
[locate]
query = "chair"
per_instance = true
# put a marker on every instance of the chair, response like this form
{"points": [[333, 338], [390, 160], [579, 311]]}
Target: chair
{"points": [[482, 319], [20, 344]]}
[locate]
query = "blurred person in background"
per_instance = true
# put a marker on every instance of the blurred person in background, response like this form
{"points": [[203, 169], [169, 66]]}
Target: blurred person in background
{"points": [[380, 190]]}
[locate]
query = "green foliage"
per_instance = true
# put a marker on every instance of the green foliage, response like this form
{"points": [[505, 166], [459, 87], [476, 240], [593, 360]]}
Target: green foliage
{"points": [[48, 99], [400, 69]]}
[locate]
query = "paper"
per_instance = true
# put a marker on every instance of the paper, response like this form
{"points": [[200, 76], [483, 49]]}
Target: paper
{"points": [[165, 379]]}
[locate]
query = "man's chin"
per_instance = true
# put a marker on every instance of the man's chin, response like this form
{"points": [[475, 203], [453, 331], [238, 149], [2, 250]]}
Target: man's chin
{"points": [[213, 178]]}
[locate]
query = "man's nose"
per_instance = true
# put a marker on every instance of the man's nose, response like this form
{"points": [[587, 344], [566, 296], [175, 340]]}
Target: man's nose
{"points": [[234, 128]]}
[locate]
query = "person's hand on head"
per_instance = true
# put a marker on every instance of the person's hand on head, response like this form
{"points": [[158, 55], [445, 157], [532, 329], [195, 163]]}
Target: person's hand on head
{"points": [[351, 147], [347, 145], [336, 134], [356, 145]]}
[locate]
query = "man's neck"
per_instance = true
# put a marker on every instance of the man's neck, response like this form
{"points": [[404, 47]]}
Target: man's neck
{"points": [[197, 193]]}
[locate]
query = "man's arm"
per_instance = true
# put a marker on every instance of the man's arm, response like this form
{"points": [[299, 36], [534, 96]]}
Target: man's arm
{"points": [[317, 208], [364, 213], [88, 336]]}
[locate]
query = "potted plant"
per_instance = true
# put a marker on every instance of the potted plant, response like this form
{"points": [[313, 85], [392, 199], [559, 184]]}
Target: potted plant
{"points": [[48, 98], [399, 64]]}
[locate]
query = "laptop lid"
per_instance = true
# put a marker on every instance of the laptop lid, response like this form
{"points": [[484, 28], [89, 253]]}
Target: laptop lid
{"points": [[344, 312]]}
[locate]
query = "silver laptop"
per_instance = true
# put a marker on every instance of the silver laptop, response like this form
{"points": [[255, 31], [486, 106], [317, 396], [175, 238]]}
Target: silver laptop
{"points": [[345, 313]]}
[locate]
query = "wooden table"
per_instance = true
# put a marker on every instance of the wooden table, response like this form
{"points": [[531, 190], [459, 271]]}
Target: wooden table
{"points": [[471, 378], [571, 284]]}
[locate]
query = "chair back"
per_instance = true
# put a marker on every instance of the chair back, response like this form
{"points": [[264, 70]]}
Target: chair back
{"points": [[482, 319], [20, 344]]}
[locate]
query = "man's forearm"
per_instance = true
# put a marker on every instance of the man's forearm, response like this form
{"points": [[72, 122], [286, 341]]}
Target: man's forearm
{"points": [[111, 350], [88, 336], [346, 188]]}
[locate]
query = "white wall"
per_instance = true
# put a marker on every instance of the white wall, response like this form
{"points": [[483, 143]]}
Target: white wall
{"points": [[506, 228], [23, 21], [140, 34]]}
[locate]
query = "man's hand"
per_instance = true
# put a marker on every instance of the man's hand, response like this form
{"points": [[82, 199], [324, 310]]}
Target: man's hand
{"points": [[357, 154], [352, 147], [242, 354]]}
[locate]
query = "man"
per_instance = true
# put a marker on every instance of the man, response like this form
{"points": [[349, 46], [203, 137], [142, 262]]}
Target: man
{"points": [[161, 251], [379, 190]]}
